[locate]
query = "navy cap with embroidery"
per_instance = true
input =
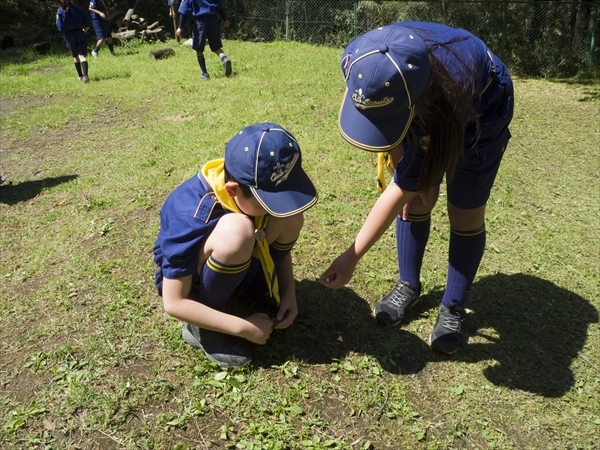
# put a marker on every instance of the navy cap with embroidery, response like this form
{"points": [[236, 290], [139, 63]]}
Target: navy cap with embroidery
{"points": [[386, 71], [267, 158]]}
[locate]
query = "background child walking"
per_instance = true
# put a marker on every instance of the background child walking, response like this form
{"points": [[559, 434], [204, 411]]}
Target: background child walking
{"points": [[206, 26], [101, 26], [73, 22]]}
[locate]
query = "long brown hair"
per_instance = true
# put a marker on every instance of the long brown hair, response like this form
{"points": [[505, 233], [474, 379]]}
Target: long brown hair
{"points": [[65, 4], [450, 112]]}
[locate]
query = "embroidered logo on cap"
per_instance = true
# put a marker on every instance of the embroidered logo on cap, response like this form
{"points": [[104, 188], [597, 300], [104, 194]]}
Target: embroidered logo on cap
{"points": [[282, 171], [365, 103]]}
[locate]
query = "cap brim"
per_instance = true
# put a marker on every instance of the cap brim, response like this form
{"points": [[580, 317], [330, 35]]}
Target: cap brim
{"points": [[371, 135], [291, 201]]}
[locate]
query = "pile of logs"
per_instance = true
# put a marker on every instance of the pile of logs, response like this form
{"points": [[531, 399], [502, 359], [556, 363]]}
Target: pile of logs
{"points": [[130, 25]]}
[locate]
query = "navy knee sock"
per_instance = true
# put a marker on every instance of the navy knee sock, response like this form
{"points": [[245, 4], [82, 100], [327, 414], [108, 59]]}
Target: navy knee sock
{"points": [[202, 64], [466, 251], [219, 281], [84, 68], [78, 67], [411, 239]]}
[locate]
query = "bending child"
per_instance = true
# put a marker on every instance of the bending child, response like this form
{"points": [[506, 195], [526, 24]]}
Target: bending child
{"points": [[433, 101]]}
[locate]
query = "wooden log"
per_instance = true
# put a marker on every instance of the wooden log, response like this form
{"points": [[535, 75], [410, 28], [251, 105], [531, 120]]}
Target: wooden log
{"points": [[152, 26], [156, 34], [42, 47], [127, 17], [161, 54], [126, 35], [135, 25]]}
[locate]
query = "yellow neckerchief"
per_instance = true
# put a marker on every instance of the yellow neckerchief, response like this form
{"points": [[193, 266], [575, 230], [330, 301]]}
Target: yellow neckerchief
{"points": [[383, 161], [214, 172]]}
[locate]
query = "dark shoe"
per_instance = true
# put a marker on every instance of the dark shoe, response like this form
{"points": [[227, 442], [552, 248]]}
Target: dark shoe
{"points": [[86, 79], [204, 76], [447, 333], [227, 66], [2, 179], [225, 350], [390, 309]]}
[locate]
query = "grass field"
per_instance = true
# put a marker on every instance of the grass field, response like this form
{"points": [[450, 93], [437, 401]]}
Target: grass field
{"points": [[89, 359]]}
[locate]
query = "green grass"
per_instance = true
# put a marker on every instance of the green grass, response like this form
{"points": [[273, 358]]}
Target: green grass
{"points": [[89, 359]]}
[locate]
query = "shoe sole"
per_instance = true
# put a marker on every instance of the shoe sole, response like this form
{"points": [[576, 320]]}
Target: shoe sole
{"points": [[190, 339], [399, 321], [440, 350], [227, 68]]}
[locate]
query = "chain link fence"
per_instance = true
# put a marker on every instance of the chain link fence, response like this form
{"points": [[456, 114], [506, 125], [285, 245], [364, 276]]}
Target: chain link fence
{"points": [[533, 37], [538, 38]]}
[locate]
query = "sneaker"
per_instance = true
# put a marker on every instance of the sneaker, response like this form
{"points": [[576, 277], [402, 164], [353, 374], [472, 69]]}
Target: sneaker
{"points": [[86, 79], [81, 78], [94, 53], [390, 309], [2, 179], [204, 76], [447, 333], [225, 350], [227, 66], [113, 54]]}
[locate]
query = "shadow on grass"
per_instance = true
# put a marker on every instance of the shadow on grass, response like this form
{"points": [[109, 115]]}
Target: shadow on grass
{"points": [[340, 322], [11, 194], [538, 330]]}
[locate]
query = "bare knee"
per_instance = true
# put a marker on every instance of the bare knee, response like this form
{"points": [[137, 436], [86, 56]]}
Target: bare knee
{"points": [[466, 219], [232, 240]]}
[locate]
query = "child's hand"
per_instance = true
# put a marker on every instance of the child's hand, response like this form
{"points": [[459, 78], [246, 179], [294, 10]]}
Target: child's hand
{"points": [[288, 310], [339, 272], [260, 327]]}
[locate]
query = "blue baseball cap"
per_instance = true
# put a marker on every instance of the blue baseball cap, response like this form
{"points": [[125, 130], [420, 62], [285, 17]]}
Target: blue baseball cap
{"points": [[386, 71], [267, 158]]}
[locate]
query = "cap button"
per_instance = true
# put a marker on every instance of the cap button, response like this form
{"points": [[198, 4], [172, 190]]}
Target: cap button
{"points": [[383, 48], [266, 128]]}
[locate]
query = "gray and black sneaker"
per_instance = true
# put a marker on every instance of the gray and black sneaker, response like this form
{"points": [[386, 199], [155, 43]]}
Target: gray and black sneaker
{"points": [[390, 309], [226, 66], [225, 350], [447, 333]]}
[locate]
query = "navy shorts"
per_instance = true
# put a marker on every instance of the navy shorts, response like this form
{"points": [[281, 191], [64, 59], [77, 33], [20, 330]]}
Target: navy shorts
{"points": [[476, 172], [207, 28], [101, 28], [76, 42]]}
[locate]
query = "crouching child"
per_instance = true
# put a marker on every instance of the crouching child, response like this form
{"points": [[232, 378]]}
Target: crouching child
{"points": [[230, 230]]}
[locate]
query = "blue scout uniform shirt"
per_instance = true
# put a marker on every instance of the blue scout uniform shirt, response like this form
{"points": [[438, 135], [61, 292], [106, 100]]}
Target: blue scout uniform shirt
{"points": [[198, 8], [188, 215], [473, 53], [98, 5], [74, 19]]}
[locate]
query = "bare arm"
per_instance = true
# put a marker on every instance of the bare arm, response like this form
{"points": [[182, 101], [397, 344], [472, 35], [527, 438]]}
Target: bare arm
{"points": [[100, 13], [288, 309], [387, 207], [256, 328]]}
